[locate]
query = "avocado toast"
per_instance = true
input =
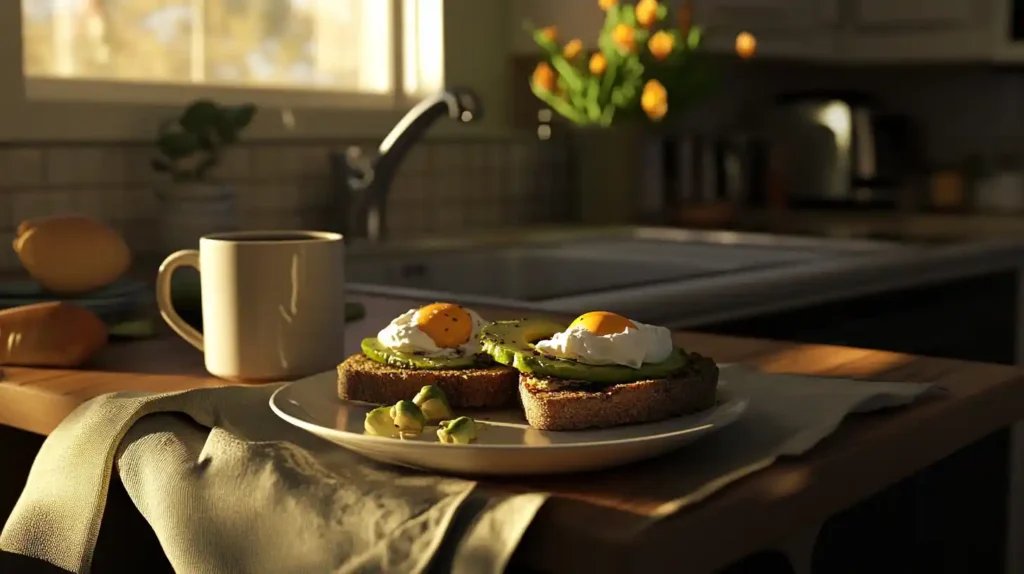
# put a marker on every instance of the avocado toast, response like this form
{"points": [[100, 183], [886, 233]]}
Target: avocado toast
{"points": [[437, 345], [560, 393]]}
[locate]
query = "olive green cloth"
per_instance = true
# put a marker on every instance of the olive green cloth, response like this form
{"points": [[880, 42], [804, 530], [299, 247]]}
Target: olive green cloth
{"points": [[232, 488], [235, 489]]}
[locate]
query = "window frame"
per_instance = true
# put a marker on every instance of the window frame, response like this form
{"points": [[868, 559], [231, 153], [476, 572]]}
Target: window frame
{"points": [[35, 109]]}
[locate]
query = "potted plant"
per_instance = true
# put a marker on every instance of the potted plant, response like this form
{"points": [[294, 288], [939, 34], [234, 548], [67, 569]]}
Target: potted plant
{"points": [[189, 151], [648, 71]]}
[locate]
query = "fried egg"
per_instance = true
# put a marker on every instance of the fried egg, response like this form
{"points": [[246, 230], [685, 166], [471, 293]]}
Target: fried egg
{"points": [[603, 338], [436, 330]]}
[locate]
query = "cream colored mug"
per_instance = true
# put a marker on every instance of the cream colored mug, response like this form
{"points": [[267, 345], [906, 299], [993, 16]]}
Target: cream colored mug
{"points": [[273, 303]]}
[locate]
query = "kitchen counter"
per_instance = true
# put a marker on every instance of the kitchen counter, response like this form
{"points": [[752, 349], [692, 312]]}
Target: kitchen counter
{"points": [[595, 524], [686, 304], [911, 227], [849, 268]]}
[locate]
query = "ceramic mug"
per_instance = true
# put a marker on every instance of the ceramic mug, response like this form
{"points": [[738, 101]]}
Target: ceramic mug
{"points": [[273, 303]]}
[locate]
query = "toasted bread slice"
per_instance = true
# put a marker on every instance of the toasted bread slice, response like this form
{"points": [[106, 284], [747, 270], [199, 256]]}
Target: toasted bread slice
{"points": [[363, 379], [558, 404]]}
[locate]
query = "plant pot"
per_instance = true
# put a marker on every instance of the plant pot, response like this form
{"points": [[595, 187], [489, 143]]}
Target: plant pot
{"points": [[189, 211], [620, 175]]}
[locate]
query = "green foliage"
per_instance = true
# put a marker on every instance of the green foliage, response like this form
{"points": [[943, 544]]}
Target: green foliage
{"points": [[192, 145], [586, 98]]}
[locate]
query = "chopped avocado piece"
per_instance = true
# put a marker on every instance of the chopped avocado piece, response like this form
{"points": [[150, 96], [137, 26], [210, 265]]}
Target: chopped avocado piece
{"points": [[459, 431], [433, 403], [376, 351], [511, 343], [379, 422], [408, 417]]}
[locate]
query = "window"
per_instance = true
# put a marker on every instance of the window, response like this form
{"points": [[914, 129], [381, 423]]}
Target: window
{"points": [[286, 52]]}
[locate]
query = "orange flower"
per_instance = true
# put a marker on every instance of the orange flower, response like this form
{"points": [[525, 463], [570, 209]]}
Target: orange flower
{"points": [[606, 4], [625, 37], [550, 33], [654, 100], [598, 64], [544, 77], [572, 49], [661, 45], [746, 45], [646, 12]]}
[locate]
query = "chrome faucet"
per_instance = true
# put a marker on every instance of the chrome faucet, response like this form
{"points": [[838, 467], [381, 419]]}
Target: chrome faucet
{"points": [[364, 182]]}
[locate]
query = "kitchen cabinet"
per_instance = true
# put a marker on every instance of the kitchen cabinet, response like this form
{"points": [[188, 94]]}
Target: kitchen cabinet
{"points": [[971, 319], [845, 31], [784, 28], [912, 30]]}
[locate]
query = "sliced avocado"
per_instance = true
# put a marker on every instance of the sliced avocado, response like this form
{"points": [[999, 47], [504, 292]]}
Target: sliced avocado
{"points": [[376, 351], [511, 343]]}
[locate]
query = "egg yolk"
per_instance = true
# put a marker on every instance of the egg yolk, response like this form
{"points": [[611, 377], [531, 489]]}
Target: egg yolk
{"points": [[603, 323], [447, 324]]}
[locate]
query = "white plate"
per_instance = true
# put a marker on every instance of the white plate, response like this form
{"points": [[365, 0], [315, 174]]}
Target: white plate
{"points": [[505, 444]]}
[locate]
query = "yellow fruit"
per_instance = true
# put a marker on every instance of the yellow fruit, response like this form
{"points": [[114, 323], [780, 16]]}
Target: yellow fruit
{"points": [[598, 64], [71, 254], [606, 4], [550, 33]]}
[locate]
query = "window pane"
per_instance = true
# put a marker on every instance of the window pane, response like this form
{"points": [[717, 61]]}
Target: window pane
{"points": [[138, 40], [343, 45], [423, 46], [330, 44]]}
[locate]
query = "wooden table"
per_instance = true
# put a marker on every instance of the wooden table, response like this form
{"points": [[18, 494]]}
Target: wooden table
{"points": [[594, 521]]}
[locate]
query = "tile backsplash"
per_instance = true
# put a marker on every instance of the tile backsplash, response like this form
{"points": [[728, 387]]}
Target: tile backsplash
{"points": [[443, 185]]}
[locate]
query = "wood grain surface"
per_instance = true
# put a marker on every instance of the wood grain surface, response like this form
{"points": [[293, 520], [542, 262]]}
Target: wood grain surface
{"points": [[601, 521]]}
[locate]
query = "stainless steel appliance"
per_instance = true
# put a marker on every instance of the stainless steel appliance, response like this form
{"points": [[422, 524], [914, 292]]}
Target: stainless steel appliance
{"points": [[840, 148]]}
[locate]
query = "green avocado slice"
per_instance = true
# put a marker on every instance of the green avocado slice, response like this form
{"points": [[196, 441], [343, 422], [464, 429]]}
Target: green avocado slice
{"points": [[511, 344], [376, 351]]}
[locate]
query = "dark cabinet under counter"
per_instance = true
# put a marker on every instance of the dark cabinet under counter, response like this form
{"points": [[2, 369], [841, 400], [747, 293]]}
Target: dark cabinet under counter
{"points": [[971, 319]]}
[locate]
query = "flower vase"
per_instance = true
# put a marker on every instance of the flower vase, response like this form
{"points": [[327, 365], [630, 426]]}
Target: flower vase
{"points": [[191, 210], [622, 174]]}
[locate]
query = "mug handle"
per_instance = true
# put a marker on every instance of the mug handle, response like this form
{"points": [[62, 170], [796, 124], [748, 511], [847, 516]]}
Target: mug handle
{"points": [[184, 258]]}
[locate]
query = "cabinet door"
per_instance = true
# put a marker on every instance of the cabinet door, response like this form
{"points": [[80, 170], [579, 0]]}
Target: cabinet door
{"points": [[788, 28], [944, 13], [752, 14], [971, 319], [913, 30]]}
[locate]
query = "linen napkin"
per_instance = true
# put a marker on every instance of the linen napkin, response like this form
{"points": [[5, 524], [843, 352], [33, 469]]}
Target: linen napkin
{"points": [[787, 416], [232, 488]]}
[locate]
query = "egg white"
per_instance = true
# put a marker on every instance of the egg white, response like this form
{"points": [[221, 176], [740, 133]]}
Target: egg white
{"points": [[631, 348], [405, 336]]}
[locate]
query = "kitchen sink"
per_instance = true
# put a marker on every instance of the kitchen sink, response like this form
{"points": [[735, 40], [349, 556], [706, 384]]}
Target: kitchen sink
{"points": [[539, 267]]}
